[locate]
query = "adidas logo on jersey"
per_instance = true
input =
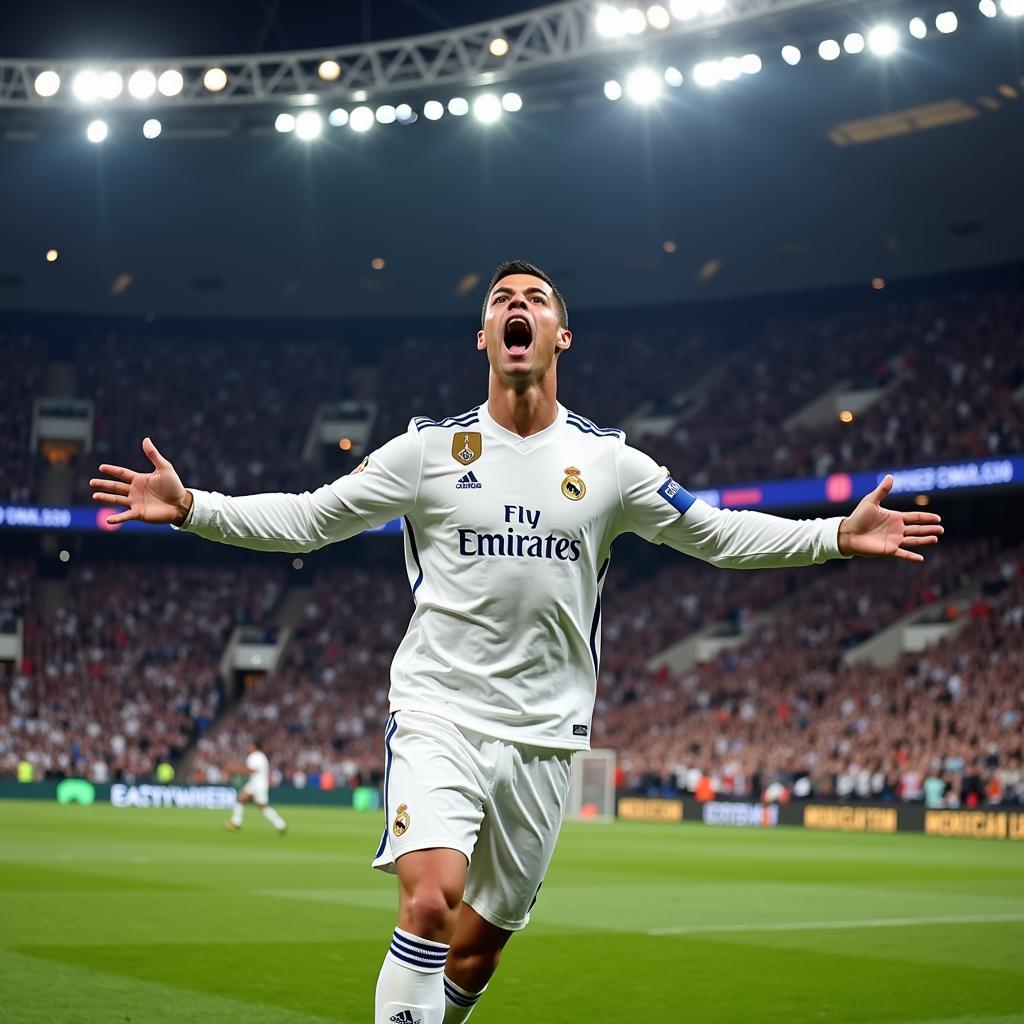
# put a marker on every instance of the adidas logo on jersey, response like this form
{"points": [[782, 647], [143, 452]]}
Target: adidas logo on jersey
{"points": [[469, 483], [405, 1017]]}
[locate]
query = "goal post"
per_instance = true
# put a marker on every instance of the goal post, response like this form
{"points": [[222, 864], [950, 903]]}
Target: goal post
{"points": [[592, 786]]}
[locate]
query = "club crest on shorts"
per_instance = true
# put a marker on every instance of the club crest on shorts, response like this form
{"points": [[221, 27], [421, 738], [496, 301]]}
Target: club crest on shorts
{"points": [[401, 822], [573, 486], [467, 447]]}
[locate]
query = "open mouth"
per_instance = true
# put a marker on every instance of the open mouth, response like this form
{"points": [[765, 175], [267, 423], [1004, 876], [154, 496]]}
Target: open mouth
{"points": [[518, 335]]}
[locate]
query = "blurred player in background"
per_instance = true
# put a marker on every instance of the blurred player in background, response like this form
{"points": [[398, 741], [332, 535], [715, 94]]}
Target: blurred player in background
{"points": [[510, 512], [257, 789]]}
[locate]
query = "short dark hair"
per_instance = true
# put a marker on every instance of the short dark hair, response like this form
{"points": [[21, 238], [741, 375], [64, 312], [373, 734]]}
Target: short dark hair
{"points": [[510, 267], [257, 742]]}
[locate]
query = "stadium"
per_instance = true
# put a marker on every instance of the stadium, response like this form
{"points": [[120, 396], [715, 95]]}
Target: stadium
{"points": [[776, 263]]}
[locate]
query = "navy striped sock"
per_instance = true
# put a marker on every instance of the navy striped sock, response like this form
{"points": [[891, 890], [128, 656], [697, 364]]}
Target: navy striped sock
{"points": [[458, 1002], [419, 954]]}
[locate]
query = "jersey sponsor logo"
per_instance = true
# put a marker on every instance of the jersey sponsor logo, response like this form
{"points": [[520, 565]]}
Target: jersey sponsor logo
{"points": [[676, 495], [580, 730], [467, 446], [513, 544], [401, 823], [573, 486], [468, 482]]}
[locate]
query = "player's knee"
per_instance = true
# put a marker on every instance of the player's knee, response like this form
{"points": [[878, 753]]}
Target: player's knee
{"points": [[431, 913]]}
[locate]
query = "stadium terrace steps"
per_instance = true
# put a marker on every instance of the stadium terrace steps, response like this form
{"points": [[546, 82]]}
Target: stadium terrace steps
{"points": [[707, 643]]}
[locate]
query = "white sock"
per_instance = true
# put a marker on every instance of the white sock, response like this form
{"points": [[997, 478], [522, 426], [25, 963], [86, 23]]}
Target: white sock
{"points": [[273, 817], [236, 814], [410, 988], [458, 1003]]}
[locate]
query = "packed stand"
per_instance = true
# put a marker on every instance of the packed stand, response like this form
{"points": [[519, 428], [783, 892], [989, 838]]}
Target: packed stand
{"points": [[23, 362], [952, 367], [783, 716], [125, 672], [230, 416]]}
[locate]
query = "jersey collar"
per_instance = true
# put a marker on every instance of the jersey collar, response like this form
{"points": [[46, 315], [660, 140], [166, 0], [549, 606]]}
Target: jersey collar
{"points": [[523, 444]]}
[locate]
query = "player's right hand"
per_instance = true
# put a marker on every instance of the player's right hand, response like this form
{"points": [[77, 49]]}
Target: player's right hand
{"points": [[156, 497]]}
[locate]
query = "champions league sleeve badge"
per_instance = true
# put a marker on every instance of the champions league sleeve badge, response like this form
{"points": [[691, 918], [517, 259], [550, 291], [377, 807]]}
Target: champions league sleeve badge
{"points": [[573, 486], [467, 447]]}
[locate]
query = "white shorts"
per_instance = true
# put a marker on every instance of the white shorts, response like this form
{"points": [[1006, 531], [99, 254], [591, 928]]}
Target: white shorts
{"points": [[499, 803], [259, 791]]}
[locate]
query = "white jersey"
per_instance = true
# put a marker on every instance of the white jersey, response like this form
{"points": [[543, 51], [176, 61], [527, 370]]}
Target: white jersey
{"points": [[507, 545], [259, 769]]}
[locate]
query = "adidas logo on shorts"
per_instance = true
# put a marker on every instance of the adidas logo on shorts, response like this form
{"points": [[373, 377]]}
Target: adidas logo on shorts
{"points": [[469, 483]]}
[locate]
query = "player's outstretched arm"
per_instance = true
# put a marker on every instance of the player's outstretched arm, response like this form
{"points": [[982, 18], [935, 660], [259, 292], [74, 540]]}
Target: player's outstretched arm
{"points": [[155, 497], [385, 489], [875, 532]]}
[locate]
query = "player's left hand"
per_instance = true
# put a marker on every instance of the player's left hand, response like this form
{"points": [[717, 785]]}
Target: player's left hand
{"points": [[875, 532]]}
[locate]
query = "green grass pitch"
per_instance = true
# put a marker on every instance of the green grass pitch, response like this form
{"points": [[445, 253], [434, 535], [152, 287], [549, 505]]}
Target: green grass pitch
{"points": [[160, 917]]}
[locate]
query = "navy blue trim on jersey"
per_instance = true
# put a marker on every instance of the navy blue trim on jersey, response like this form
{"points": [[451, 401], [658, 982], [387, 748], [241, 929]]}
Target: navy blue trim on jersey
{"points": [[596, 622], [587, 427], [465, 419], [677, 496], [415, 556], [392, 726]]}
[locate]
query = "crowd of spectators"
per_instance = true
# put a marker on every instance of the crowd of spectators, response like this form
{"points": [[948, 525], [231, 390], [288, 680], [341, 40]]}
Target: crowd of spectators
{"points": [[23, 363], [124, 672], [786, 715]]}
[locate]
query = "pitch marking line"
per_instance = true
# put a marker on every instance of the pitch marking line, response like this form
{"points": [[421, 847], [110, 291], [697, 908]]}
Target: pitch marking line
{"points": [[808, 926]]}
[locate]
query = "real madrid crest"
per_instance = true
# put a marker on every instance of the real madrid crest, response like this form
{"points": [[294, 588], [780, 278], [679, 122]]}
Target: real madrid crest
{"points": [[467, 447], [401, 824], [573, 486]]}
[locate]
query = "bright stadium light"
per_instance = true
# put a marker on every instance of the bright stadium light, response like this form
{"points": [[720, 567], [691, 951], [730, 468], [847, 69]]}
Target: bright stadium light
{"points": [[433, 110], [988, 8], [215, 79], [658, 18], [487, 108], [644, 86], [612, 90], [673, 77], [403, 113], [791, 55], [828, 49], [946, 22], [707, 74], [609, 22], [729, 69], [750, 64], [285, 122], [917, 28], [458, 106], [1012, 8], [633, 21], [96, 131], [883, 40], [111, 85], [498, 47], [170, 82], [338, 117], [712, 6], [86, 86], [361, 119], [47, 83], [329, 70], [141, 84], [152, 128], [684, 10], [512, 102], [309, 124], [854, 43], [386, 114]]}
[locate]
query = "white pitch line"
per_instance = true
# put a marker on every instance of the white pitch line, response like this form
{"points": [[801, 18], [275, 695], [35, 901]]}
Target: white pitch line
{"points": [[808, 926]]}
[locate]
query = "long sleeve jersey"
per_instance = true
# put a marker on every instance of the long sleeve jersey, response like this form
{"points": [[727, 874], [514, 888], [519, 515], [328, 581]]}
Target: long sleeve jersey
{"points": [[507, 546]]}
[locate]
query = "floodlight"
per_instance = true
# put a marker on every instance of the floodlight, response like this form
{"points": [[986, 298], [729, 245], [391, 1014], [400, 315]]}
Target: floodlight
{"points": [[142, 84], [854, 43], [498, 47], [729, 68], [152, 128], [386, 114], [673, 77], [86, 86], [684, 10], [338, 117], [644, 86], [609, 22], [828, 49], [658, 18], [917, 28], [1012, 8], [110, 86], [612, 90], [791, 55], [633, 21], [433, 110], [47, 83], [171, 82], [285, 122], [309, 124], [946, 22], [361, 119], [329, 70], [459, 106], [96, 131], [487, 108], [512, 102], [215, 79], [883, 40], [750, 64], [707, 73]]}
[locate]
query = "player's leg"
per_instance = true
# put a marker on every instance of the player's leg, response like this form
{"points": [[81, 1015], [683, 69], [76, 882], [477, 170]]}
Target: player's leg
{"points": [[275, 819], [235, 822], [434, 803], [515, 845], [472, 958]]}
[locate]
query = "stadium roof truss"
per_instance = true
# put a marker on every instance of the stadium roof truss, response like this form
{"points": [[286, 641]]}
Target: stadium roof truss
{"points": [[544, 37]]}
